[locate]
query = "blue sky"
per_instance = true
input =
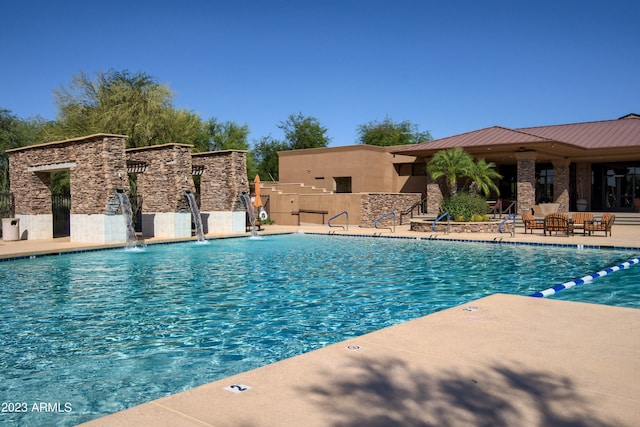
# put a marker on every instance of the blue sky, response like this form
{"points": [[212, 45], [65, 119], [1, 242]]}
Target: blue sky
{"points": [[447, 66]]}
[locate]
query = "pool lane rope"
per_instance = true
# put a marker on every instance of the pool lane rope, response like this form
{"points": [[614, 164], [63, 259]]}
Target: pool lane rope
{"points": [[585, 279]]}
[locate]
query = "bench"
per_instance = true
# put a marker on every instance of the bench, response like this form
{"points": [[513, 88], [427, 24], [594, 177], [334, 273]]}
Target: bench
{"points": [[310, 211]]}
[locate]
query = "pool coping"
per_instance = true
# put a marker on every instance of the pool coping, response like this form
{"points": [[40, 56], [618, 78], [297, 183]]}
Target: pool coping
{"points": [[499, 360], [498, 240]]}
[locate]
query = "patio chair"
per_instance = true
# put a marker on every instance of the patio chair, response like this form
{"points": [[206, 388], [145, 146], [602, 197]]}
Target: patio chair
{"points": [[579, 219], [603, 224], [558, 222], [531, 223]]}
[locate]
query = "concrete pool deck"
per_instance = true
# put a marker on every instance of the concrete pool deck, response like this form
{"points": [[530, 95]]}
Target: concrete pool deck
{"points": [[500, 360]]}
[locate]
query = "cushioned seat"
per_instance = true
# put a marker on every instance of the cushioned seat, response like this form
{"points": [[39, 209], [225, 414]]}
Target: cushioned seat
{"points": [[603, 224], [531, 223], [579, 219], [558, 222]]}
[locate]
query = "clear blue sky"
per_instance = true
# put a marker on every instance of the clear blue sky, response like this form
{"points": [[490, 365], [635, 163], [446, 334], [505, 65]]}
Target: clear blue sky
{"points": [[448, 66]]}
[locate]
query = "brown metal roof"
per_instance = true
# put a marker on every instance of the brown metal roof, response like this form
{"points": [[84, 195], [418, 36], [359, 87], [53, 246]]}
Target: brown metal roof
{"points": [[621, 133], [592, 135]]}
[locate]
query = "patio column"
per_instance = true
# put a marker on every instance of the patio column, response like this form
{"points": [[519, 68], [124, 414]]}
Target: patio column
{"points": [[561, 184], [526, 186]]}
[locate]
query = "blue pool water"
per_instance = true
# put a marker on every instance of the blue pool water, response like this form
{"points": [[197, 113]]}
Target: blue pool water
{"points": [[92, 333]]}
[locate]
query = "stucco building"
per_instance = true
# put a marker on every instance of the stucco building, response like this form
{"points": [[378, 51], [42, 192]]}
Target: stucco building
{"points": [[598, 162]]}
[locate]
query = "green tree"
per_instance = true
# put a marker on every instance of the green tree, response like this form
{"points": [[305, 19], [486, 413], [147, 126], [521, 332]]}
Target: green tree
{"points": [[14, 133], [304, 132], [451, 165], [482, 175], [226, 135], [120, 102], [266, 157], [388, 132]]}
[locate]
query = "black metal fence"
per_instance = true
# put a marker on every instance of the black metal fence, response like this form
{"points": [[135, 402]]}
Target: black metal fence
{"points": [[61, 209]]}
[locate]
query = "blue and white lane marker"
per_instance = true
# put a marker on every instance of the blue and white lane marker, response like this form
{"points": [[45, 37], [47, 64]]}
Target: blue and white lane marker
{"points": [[585, 279]]}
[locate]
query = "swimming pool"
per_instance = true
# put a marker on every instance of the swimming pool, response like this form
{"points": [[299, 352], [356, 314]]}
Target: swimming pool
{"points": [[98, 332]]}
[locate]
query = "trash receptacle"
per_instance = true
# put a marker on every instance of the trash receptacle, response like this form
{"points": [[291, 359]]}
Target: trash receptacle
{"points": [[10, 229]]}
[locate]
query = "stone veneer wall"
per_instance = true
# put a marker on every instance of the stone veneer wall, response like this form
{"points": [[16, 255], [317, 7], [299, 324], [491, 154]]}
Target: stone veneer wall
{"points": [[526, 188], [434, 196], [167, 176], [462, 227], [223, 180], [374, 205], [99, 170]]}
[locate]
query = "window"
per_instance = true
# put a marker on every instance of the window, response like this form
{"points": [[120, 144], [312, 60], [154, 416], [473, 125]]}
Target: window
{"points": [[419, 169], [544, 181], [343, 184]]}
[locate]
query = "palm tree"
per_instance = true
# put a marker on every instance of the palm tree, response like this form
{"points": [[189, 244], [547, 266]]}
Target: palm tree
{"points": [[451, 165], [482, 175]]}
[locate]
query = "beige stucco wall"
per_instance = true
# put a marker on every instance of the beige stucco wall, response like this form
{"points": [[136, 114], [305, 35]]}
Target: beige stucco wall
{"points": [[371, 168]]}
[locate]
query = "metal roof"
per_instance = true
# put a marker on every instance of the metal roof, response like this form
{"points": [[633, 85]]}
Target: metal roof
{"points": [[620, 133]]}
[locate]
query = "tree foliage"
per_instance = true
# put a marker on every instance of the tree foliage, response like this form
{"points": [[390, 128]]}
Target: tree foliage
{"points": [[15, 133], [482, 176], [120, 102], [451, 165], [455, 164], [304, 132], [388, 133], [266, 157], [226, 135]]}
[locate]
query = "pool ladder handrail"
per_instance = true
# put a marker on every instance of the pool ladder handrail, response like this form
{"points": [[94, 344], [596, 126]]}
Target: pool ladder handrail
{"points": [[513, 230], [346, 214], [393, 214], [444, 215]]}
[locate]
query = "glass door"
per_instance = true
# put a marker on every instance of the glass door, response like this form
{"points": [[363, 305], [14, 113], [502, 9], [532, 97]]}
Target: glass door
{"points": [[622, 188]]}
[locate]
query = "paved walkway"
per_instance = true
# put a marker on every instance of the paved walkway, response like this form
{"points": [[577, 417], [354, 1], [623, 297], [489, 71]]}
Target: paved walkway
{"points": [[501, 360]]}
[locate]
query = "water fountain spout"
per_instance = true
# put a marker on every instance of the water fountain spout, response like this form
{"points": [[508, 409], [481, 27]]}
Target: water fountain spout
{"points": [[246, 200], [195, 214], [127, 212]]}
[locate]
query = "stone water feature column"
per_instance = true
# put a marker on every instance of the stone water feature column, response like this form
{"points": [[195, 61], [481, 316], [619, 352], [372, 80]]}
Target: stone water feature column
{"points": [[223, 178], [97, 171], [526, 187], [168, 175]]}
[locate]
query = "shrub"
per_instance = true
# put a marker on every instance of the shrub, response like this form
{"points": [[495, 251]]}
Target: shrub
{"points": [[466, 207]]}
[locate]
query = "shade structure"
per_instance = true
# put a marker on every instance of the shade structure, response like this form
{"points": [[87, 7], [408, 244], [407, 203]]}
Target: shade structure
{"points": [[257, 202]]}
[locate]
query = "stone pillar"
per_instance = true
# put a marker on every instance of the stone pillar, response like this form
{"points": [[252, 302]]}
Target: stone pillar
{"points": [[168, 175], [434, 196], [223, 179], [526, 186], [100, 172], [561, 184]]}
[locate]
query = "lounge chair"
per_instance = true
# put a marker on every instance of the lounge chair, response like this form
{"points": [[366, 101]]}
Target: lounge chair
{"points": [[603, 224], [579, 219], [558, 222], [530, 223]]}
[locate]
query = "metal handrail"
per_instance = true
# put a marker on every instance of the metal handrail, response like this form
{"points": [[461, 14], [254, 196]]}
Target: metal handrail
{"points": [[444, 215], [392, 213], [409, 210], [513, 217], [345, 213], [499, 209]]}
